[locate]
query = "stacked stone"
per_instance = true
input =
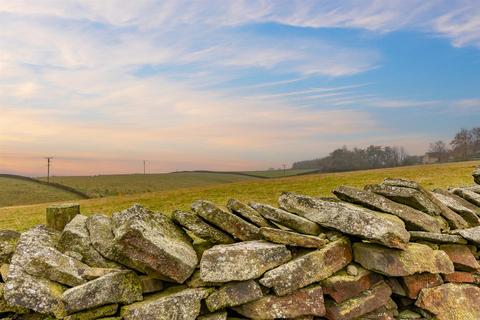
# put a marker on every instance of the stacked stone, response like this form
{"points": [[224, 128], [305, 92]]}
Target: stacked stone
{"points": [[389, 251]]}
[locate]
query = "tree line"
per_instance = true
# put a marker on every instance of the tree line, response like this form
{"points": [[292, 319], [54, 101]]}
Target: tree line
{"points": [[465, 145]]}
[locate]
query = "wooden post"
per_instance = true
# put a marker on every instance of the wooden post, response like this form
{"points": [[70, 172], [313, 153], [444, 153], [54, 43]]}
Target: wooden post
{"points": [[59, 215]]}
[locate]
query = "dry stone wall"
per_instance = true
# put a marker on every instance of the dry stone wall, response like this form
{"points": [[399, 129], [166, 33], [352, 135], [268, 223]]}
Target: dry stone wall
{"points": [[389, 251]]}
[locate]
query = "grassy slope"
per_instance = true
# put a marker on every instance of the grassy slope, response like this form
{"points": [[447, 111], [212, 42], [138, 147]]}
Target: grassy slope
{"points": [[15, 191], [431, 176], [110, 185], [278, 173]]}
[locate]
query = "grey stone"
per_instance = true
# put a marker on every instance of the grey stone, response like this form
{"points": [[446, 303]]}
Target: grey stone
{"points": [[292, 238], [200, 228], [101, 234], [457, 204], [287, 219], [414, 219], [348, 219], [153, 244], [174, 303], [471, 234], [221, 315], [476, 175], [195, 281], [150, 284], [95, 313], [437, 237], [309, 268], [226, 221], [416, 258], [241, 261], [468, 195], [248, 213], [233, 294], [120, 287], [35, 293], [58, 215], [8, 243], [5, 307]]}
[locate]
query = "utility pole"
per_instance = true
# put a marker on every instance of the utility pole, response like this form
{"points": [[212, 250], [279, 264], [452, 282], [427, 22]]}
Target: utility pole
{"points": [[48, 167], [284, 170], [144, 172]]}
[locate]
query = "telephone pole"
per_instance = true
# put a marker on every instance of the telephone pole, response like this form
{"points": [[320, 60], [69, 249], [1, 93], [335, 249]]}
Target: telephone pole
{"points": [[284, 170], [144, 172], [48, 167]]}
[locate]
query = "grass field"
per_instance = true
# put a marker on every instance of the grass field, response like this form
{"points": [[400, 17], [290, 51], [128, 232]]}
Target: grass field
{"points": [[263, 190], [113, 185], [278, 173], [15, 191]]}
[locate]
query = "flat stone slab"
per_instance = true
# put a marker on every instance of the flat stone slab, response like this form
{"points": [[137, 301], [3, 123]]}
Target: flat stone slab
{"points": [[95, 313], [415, 283], [153, 244], [457, 204], [304, 302], [241, 261], [414, 219], [468, 195], [461, 256], [348, 219], [309, 268], [416, 258], [471, 234], [120, 287], [436, 237], [292, 238], [451, 301], [248, 213], [287, 219], [366, 302], [173, 303], [221, 315], [8, 243], [233, 294], [226, 221], [200, 228]]}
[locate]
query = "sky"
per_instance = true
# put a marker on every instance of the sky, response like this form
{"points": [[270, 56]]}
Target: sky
{"points": [[229, 85]]}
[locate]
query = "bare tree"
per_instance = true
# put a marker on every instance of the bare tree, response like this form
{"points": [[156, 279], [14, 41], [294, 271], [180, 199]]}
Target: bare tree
{"points": [[461, 143], [438, 147]]}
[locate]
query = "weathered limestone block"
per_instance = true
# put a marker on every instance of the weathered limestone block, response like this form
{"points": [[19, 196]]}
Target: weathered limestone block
{"points": [[226, 221], [96, 313], [75, 237], [101, 234], [5, 307], [248, 213], [120, 287], [471, 234], [476, 175], [200, 228], [173, 303], [8, 243], [342, 286], [437, 237], [461, 256], [466, 210], [241, 261], [286, 219], [150, 284], [414, 219], [415, 283], [309, 268], [416, 258], [221, 315], [353, 308], [153, 244], [451, 301], [292, 238], [459, 277], [348, 219], [468, 195], [303, 302], [58, 215], [23, 290], [233, 294]]}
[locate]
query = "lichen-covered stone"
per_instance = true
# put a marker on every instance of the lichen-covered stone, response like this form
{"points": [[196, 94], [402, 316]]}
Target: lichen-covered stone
{"points": [[153, 244], [348, 219], [248, 213], [75, 237], [101, 234], [342, 286], [5, 307], [95, 313], [436, 237], [353, 308], [221, 315], [287, 219], [451, 301], [120, 287], [303, 302], [292, 238], [468, 195], [8, 242], [233, 294], [150, 284], [226, 221], [416, 258], [241, 261], [461, 256], [466, 210], [173, 303], [415, 283], [195, 281], [27, 291], [476, 175], [471, 234], [200, 228], [386, 312], [414, 219], [459, 277], [309, 268], [4, 271], [58, 215]]}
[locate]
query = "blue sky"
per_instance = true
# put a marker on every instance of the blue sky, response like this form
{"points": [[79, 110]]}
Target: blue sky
{"points": [[229, 85]]}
